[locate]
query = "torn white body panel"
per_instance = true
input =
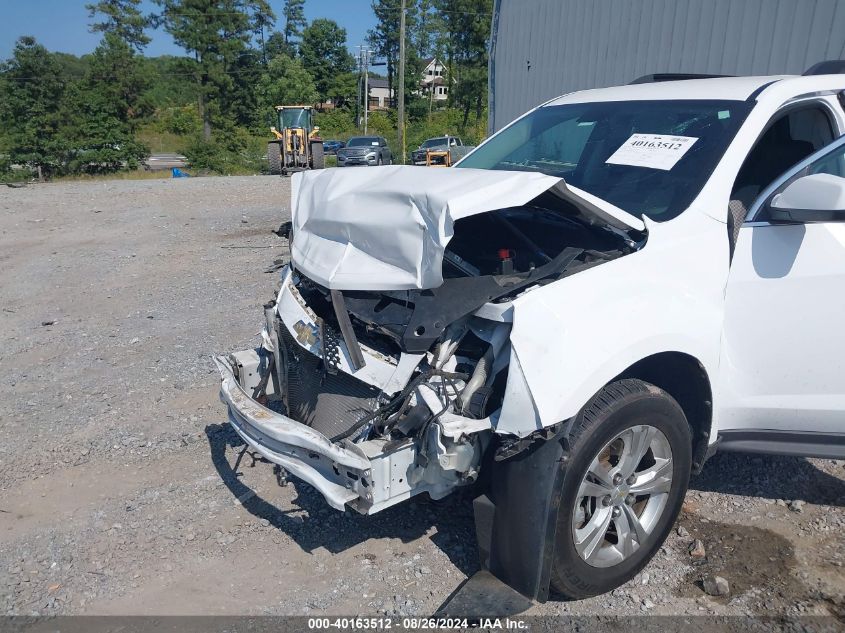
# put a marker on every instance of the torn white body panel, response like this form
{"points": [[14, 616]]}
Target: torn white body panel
{"points": [[567, 342], [387, 228]]}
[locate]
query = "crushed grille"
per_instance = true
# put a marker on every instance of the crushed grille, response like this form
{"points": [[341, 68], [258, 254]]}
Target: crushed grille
{"points": [[330, 403]]}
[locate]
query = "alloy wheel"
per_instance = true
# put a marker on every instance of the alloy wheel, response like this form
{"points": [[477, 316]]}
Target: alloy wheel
{"points": [[622, 496]]}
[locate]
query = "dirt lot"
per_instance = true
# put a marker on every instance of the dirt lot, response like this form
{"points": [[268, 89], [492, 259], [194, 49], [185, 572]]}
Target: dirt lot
{"points": [[119, 487]]}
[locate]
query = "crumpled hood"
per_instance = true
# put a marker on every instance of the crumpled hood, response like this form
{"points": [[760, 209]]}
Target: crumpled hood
{"points": [[386, 228]]}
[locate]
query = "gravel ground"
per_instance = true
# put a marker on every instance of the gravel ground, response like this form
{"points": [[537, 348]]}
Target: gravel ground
{"points": [[120, 486]]}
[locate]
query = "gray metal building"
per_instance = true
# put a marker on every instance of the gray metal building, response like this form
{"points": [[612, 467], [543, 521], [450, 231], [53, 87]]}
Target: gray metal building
{"points": [[543, 48]]}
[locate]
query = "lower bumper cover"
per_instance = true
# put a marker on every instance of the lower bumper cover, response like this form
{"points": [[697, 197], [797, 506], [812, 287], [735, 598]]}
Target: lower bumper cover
{"points": [[341, 473]]}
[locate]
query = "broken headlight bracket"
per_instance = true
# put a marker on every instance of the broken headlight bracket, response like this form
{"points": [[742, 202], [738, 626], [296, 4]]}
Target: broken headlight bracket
{"points": [[356, 358], [508, 447]]}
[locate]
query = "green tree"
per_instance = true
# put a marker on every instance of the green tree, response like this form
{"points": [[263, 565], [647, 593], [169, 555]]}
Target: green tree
{"points": [[384, 40], [168, 87], [294, 13], [31, 107], [73, 68], [467, 24], [215, 33], [427, 37], [264, 21], [104, 109], [344, 89], [121, 18], [239, 103], [286, 82], [324, 54], [119, 81], [276, 45]]}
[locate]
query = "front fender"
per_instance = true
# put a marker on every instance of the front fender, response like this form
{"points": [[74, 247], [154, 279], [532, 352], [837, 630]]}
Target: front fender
{"points": [[572, 337]]}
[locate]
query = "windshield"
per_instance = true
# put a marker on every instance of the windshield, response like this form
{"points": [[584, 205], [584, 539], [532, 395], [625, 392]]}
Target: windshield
{"points": [[435, 142], [297, 117], [360, 141], [646, 157]]}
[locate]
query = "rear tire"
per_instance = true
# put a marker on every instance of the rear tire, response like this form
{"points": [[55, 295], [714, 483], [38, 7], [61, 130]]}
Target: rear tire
{"points": [[613, 487], [274, 158], [318, 158]]}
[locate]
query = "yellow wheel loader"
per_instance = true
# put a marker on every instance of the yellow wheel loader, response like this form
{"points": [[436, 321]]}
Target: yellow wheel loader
{"points": [[297, 145]]}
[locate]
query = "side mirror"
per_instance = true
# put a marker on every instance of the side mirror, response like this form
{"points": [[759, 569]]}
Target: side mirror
{"points": [[813, 198]]}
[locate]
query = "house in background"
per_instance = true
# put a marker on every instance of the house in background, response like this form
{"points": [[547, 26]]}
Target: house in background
{"points": [[433, 85], [433, 82], [381, 96]]}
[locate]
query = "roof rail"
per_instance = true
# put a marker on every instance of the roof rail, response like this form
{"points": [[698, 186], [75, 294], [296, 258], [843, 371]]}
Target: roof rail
{"points": [[658, 77], [829, 67]]}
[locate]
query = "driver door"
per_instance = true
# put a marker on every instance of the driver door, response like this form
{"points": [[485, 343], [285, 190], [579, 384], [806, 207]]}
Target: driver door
{"points": [[782, 373]]}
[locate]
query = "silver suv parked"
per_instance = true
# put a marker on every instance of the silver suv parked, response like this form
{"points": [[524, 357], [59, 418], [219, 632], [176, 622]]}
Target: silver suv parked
{"points": [[364, 150]]}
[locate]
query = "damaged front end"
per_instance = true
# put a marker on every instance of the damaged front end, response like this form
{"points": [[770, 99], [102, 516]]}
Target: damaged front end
{"points": [[386, 360]]}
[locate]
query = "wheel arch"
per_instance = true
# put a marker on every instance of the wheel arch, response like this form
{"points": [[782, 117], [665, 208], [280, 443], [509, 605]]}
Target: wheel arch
{"points": [[523, 484], [684, 378]]}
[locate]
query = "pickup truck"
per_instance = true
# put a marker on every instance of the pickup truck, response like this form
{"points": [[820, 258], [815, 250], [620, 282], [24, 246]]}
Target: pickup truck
{"points": [[452, 144], [573, 319]]}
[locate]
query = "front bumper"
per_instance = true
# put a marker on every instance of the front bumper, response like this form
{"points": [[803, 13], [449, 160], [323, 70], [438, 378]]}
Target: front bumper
{"points": [[340, 472], [349, 161]]}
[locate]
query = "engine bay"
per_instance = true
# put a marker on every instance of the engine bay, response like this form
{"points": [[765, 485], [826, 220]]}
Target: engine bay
{"points": [[521, 239], [390, 337], [462, 366]]}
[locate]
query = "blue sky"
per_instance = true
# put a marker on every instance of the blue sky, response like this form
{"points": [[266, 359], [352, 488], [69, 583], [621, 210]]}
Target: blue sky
{"points": [[62, 25]]}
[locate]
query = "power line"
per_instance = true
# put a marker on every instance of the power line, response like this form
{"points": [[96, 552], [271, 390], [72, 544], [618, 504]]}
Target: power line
{"points": [[384, 9], [436, 11]]}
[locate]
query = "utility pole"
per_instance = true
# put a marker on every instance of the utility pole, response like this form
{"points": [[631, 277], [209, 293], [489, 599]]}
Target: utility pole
{"points": [[401, 94], [366, 54], [358, 86]]}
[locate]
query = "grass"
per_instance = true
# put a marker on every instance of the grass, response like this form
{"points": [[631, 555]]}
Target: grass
{"points": [[137, 174], [162, 142]]}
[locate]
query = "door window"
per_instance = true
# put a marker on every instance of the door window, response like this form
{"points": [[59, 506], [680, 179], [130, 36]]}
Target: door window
{"points": [[833, 164], [789, 139]]}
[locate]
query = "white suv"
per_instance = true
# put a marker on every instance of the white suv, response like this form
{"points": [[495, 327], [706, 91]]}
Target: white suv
{"points": [[599, 297]]}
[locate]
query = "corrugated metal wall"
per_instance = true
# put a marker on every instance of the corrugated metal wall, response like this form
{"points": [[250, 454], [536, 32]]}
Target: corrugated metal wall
{"points": [[544, 48]]}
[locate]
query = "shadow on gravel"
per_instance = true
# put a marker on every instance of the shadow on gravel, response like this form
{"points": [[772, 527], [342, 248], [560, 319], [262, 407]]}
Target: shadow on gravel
{"points": [[325, 527], [758, 563], [747, 556], [770, 477]]}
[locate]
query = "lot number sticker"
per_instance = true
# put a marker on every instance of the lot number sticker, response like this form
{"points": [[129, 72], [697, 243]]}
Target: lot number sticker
{"points": [[656, 151]]}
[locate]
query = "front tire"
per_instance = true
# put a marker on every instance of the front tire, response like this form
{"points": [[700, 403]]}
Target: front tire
{"points": [[274, 158], [318, 158], [624, 483]]}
